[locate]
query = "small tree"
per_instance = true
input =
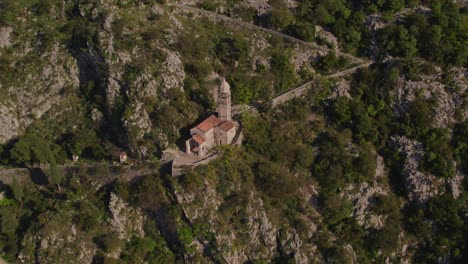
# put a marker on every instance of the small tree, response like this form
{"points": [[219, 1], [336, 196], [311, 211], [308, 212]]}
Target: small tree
{"points": [[17, 189], [280, 16], [112, 243], [328, 62], [54, 173]]}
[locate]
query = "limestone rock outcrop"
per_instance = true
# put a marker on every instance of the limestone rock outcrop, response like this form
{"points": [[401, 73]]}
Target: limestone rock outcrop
{"points": [[5, 37], [420, 186], [327, 36], [30, 96], [126, 221], [261, 6], [173, 75], [58, 241], [448, 98], [362, 200], [10, 124]]}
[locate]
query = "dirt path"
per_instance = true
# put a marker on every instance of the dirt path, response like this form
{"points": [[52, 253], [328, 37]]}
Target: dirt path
{"points": [[244, 24]]}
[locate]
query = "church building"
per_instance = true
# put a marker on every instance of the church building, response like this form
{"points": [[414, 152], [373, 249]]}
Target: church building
{"points": [[215, 130]]}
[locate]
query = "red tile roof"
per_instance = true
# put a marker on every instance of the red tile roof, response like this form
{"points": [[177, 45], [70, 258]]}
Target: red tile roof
{"points": [[226, 125], [199, 139], [208, 123]]}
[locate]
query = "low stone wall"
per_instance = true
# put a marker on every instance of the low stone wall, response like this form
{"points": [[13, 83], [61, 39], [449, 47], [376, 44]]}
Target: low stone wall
{"points": [[103, 173]]}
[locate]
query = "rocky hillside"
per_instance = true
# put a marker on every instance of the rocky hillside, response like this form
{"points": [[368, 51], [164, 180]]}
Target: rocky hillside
{"points": [[368, 167], [134, 74]]}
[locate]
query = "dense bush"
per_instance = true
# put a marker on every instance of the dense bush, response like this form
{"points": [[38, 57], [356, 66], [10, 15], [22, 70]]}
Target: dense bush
{"points": [[280, 17], [32, 149], [329, 144], [439, 36]]}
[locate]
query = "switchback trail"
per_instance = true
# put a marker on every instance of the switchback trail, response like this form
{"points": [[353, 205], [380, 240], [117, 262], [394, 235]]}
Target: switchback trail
{"points": [[128, 173], [298, 91], [301, 90], [251, 26]]}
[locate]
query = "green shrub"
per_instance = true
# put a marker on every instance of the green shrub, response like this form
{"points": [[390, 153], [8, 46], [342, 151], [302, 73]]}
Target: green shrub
{"points": [[199, 69], [280, 17]]}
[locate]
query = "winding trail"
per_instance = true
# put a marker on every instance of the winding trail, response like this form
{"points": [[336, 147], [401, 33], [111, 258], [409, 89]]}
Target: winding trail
{"points": [[298, 91], [295, 92], [251, 26], [128, 173], [301, 90]]}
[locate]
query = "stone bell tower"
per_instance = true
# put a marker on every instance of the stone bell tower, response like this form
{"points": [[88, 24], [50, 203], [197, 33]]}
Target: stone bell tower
{"points": [[224, 101]]}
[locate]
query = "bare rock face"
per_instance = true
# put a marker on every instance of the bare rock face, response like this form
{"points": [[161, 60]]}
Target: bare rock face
{"points": [[308, 253], [57, 242], [146, 86], [292, 3], [363, 196], [291, 242], [341, 89], [262, 6], [261, 242], [97, 116], [137, 122], [380, 169], [302, 58], [459, 88], [420, 186], [10, 124], [5, 37], [161, 138], [362, 199], [329, 37], [156, 10], [259, 224], [112, 91], [448, 99], [174, 74], [246, 230], [210, 200], [126, 221], [34, 94], [258, 60], [455, 184], [375, 22], [350, 253]]}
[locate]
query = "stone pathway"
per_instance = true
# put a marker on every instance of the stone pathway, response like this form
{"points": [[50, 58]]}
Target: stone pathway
{"points": [[182, 162], [104, 173], [298, 91], [244, 24], [181, 159], [301, 90]]}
